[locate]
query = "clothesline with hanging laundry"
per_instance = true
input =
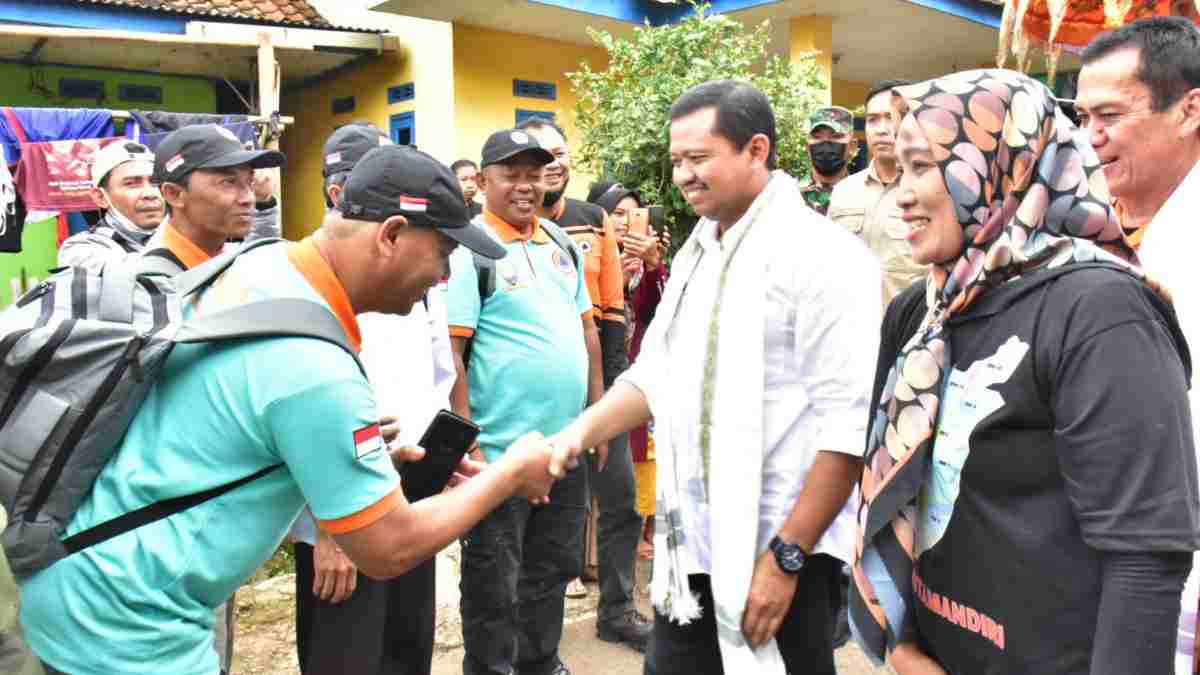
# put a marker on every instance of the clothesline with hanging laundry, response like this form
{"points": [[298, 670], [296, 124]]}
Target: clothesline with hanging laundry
{"points": [[51, 150], [285, 120]]}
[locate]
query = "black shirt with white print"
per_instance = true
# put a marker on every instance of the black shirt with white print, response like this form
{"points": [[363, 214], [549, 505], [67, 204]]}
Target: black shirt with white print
{"points": [[1055, 529]]}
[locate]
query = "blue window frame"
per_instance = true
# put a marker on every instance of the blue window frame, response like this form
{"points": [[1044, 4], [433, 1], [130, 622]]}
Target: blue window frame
{"points": [[523, 115], [403, 127], [546, 91], [401, 93], [140, 93]]}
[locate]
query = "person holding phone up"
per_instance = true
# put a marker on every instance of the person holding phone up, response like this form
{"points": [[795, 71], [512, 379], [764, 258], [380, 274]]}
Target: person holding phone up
{"points": [[643, 255]]}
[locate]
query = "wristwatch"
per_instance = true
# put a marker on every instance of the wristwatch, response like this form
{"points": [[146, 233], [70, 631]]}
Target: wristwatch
{"points": [[789, 557]]}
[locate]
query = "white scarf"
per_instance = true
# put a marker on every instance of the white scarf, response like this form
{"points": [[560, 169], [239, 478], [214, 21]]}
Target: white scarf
{"points": [[735, 376]]}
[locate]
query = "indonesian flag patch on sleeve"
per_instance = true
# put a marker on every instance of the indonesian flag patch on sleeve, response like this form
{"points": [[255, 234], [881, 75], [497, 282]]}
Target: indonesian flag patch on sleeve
{"points": [[367, 440]]}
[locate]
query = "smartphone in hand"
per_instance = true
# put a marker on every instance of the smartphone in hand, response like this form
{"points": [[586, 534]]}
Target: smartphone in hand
{"points": [[446, 441], [639, 221]]}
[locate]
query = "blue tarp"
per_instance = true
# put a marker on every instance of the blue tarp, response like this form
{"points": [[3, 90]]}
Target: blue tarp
{"points": [[54, 124]]}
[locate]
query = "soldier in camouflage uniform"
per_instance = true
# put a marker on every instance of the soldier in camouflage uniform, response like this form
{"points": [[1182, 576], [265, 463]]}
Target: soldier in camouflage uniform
{"points": [[831, 146]]}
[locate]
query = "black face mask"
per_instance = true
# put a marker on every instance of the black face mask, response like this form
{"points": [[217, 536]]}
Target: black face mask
{"points": [[828, 157]]}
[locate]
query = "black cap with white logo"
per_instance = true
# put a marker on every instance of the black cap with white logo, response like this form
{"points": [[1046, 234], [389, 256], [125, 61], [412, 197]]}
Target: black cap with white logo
{"points": [[206, 146], [348, 144], [399, 180], [505, 145]]}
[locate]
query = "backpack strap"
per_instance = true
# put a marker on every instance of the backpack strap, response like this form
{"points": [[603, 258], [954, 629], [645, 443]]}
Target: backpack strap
{"points": [[485, 268], [160, 261], [198, 278], [154, 512], [560, 237], [282, 317], [117, 281], [266, 318]]}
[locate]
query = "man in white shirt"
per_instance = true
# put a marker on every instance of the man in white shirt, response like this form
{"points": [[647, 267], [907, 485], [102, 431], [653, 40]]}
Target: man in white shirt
{"points": [[756, 370], [1139, 103], [347, 622]]}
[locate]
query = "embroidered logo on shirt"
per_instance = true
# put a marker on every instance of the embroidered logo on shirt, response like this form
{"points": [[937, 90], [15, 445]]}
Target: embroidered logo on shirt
{"points": [[367, 440], [508, 274], [563, 264]]}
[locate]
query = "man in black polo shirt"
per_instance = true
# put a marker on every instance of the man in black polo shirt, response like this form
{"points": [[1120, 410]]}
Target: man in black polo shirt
{"points": [[619, 526]]}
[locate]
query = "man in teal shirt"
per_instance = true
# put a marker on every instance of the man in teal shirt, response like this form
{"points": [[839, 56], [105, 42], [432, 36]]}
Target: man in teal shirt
{"points": [[142, 603], [534, 364]]}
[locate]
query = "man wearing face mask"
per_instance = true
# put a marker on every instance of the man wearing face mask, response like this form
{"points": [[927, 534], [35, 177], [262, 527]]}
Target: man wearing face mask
{"points": [[132, 204], [865, 203], [123, 187], [831, 146]]}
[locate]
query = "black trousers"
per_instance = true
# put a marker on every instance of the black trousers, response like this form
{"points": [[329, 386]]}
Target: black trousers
{"points": [[516, 564], [619, 529], [383, 628], [805, 639]]}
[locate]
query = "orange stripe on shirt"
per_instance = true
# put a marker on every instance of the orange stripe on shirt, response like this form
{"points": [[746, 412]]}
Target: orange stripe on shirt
{"points": [[183, 248], [364, 518], [462, 332], [309, 261]]}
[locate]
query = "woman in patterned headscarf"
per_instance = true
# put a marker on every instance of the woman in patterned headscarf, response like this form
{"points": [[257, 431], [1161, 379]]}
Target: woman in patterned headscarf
{"points": [[1030, 493]]}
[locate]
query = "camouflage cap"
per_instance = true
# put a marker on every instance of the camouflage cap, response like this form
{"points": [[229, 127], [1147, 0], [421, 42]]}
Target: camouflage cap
{"points": [[836, 118]]}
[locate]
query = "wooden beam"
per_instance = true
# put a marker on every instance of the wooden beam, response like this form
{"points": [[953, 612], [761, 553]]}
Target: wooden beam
{"points": [[268, 76], [296, 38], [268, 95]]}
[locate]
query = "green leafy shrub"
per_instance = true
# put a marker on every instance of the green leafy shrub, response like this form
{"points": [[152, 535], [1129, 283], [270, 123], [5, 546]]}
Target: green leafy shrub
{"points": [[622, 114]]}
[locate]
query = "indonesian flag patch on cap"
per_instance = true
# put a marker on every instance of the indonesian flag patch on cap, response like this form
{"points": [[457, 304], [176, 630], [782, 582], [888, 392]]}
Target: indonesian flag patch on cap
{"points": [[367, 440], [413, 204], [173, 163]]}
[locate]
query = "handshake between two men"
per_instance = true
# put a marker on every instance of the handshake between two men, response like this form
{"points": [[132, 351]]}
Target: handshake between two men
{"points": [[532, 463], [529, 467]]}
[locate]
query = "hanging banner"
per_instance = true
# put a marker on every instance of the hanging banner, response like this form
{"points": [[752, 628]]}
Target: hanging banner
{"points": [[57, 175]]}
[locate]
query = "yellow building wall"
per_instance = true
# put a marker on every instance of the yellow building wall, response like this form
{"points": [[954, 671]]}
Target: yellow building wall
{"points": [[485, 64], [813, 34], [312, 107], [850, 94], [424, 58]]}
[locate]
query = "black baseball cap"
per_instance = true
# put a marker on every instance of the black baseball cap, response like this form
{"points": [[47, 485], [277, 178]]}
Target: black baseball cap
{"points": [[399, 180], [347, 144], [608, 194], [206, 146], [504, 145]]}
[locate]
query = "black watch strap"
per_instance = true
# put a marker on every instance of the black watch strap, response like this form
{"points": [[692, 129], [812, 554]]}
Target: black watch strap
{"points": [[789, 557]]}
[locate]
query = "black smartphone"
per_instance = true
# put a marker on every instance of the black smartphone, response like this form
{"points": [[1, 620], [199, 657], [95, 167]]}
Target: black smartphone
{"points": [[658, 218], [446, 440]]}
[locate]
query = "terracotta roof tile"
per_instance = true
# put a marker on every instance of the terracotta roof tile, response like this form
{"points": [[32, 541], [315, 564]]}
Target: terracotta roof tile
{"points": [[292, 12]]}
